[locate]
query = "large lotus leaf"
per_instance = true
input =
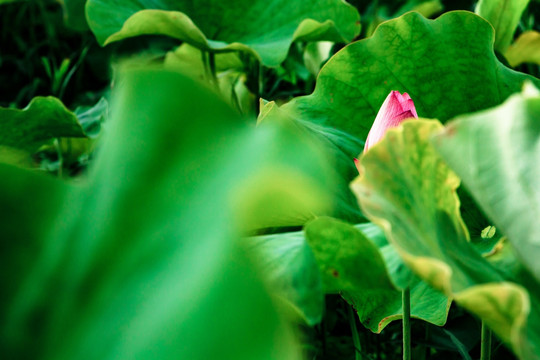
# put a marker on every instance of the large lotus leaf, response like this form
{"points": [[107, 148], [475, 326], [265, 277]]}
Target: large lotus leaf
{"points": [[263, 28], [43, 119], [142, 261], [504, 15], [355, 267], [406, 188], [502, 171], [290, 265], [447, 65], [502, 178]]}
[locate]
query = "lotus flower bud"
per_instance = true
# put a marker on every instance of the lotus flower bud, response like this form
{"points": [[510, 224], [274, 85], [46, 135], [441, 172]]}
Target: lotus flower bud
{"points": [[393, 111]]}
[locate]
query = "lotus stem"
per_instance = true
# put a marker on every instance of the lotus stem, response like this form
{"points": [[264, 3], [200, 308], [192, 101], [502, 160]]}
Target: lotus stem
{"points": [[209, 63], [58, 147], [356, 338], [258, 82], [406, 305], [485, 345], [212, 68]]}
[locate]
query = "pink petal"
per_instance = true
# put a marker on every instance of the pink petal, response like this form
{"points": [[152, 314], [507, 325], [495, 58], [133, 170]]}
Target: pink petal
{"points": [[390, 108], [399, 97], [394, 110], [409, 105], [357, 163], [406, 96], [404, 116]]}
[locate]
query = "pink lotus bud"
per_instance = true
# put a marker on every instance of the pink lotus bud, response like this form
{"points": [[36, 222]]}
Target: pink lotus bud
{"points": [[393, 111]]}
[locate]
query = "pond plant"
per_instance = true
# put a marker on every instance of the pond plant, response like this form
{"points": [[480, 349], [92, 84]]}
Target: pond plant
{"points": [[270, 179]]}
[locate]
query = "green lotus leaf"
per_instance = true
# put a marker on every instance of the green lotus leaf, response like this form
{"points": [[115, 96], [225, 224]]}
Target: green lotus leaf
{"points": [[363, 272], [44, 119], [259, 27], [290, 265], [447, 66], [141, 260], [406, 188], [504, 15], [502, 178], [501, 171]]}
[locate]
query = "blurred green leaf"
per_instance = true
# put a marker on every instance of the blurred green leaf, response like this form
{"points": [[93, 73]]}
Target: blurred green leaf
{"points": [[447, 66], [526, 49], [340, 148], [74, 14], [44, 119], [91, 117], [29, 204], [142, 260], [261, 28], [230, 74], [362, 272], [406, 188], [188, 59], [504, 15]]}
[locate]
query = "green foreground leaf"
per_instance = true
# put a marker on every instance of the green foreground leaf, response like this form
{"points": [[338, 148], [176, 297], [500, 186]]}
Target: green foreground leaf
{"points": [[141, 260], [501, 171]]}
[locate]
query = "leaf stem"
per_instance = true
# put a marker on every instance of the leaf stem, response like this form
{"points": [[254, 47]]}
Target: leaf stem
{"points": [[406, 305], [212, 68], [258, 79], [424, 353], [485, 345], [354, 331], [58, 147], [209, 63]]}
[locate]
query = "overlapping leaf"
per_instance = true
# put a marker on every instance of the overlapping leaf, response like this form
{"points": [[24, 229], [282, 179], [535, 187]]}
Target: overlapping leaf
{"points": [[408, 190], [501, 172], [263, 28], [365, 273], [355, 261], [447, 65]]}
